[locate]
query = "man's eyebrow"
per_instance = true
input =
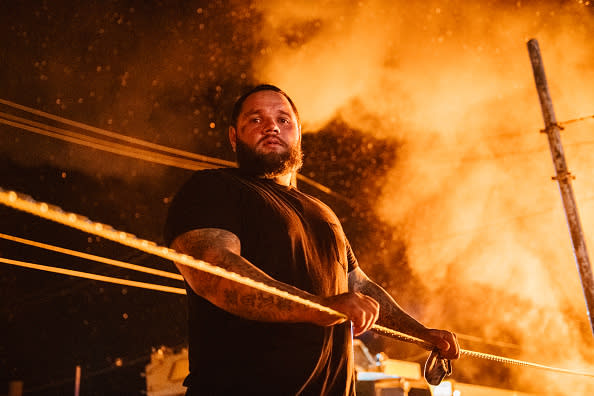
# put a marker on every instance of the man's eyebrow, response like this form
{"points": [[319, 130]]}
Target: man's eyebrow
{"points": [[248, 113], [258, 111]]}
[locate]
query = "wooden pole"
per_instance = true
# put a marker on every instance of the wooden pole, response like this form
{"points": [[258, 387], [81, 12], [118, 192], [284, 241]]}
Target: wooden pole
{"points": [[15, 388], [563, 177], [77, 381]]}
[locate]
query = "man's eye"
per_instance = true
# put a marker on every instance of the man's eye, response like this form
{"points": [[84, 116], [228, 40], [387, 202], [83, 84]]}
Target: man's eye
{"points": [[255, 120], [284, 120]]}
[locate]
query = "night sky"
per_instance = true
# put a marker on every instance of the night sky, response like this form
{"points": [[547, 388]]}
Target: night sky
{"points": [[166, 72]]}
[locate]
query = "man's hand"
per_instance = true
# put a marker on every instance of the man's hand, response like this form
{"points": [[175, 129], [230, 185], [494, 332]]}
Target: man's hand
{"points": [[361, 310], [445, 341]]}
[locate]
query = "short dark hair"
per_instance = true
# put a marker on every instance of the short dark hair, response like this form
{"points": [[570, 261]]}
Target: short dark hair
{"points": [[262, 87]]}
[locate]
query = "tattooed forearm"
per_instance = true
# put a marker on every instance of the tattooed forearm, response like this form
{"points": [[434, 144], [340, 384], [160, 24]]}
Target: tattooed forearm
{"points": [[391, 314], [222, 248], [207, 243], [257, 305], [231, 297]]}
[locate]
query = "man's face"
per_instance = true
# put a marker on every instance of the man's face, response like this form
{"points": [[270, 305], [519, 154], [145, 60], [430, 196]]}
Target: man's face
{"points": [[267, 139]]}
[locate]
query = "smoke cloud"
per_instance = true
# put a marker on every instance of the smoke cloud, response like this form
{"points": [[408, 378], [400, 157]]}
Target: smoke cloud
{"points": [[452, 80]]}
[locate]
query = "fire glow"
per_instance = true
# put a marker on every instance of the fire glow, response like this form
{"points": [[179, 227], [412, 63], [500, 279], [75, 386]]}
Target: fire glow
{"points": [[472, 190]]}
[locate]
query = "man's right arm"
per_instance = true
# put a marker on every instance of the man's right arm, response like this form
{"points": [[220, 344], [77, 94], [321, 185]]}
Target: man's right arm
{"points": [[223, 249]]}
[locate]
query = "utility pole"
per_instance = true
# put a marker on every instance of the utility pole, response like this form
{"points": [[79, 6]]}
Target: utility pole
{"points": [[77, 381], [563, 177], [15, 388]]}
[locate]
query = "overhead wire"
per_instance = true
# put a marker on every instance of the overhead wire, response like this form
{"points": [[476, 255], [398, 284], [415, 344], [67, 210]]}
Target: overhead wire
{"points": [[182, 159], [119, 136], [576, 120], [87, 275], [112, 147], [93, 257], [54, 213]]}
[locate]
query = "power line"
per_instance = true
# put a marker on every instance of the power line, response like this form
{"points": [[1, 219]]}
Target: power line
{"points": [[118, 136], [61, 290], [87, 275], [183, 159], [576, 120], [99, 144], [92, 257]]}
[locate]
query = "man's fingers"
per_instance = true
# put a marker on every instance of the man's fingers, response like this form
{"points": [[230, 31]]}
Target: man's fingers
{"points": [[447, 343], [361, 309], [453, 351], [456, 347], [374, 313], [365, 315]]}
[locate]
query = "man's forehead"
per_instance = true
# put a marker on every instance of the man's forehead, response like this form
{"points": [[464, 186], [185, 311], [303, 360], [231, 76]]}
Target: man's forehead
{"points": [[266, 101]]}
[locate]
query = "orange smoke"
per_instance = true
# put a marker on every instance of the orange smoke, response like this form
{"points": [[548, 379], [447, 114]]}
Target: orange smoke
{"points": [[453, 81]]}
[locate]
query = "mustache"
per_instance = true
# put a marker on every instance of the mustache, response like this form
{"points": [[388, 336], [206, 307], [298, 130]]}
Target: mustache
{"points": [[275, 138]]}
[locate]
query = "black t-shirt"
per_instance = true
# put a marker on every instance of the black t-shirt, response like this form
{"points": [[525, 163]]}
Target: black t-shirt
{"points": [[294, 238]]}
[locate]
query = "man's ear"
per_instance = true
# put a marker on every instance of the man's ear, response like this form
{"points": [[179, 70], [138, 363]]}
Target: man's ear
{"points": [[233, 137]]}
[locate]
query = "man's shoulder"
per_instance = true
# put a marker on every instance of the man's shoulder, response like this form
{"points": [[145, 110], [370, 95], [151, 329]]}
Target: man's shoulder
{"points": [[218, 182], [205, 200], [314, 200]]}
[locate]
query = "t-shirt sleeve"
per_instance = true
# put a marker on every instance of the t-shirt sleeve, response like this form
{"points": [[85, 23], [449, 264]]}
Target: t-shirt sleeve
{"points": [[351, 259], [207, 200]]}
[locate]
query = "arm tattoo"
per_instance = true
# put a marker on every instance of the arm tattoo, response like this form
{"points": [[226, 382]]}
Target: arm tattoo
{"points": [[223, 248], [231, 297], [391, 314], [207, 242]]}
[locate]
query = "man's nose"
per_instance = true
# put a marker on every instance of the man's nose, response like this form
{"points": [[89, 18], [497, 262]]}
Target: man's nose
{"points": [[270, 126]]}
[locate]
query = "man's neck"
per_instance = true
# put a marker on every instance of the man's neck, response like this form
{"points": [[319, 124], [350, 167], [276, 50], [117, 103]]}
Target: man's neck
{"points": [[283, 180]]}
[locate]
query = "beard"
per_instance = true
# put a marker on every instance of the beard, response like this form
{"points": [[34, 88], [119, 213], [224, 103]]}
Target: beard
{"points": [[268, 165]]}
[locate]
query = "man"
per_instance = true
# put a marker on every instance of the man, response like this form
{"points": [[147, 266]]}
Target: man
{"points": [[254, 222]]}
